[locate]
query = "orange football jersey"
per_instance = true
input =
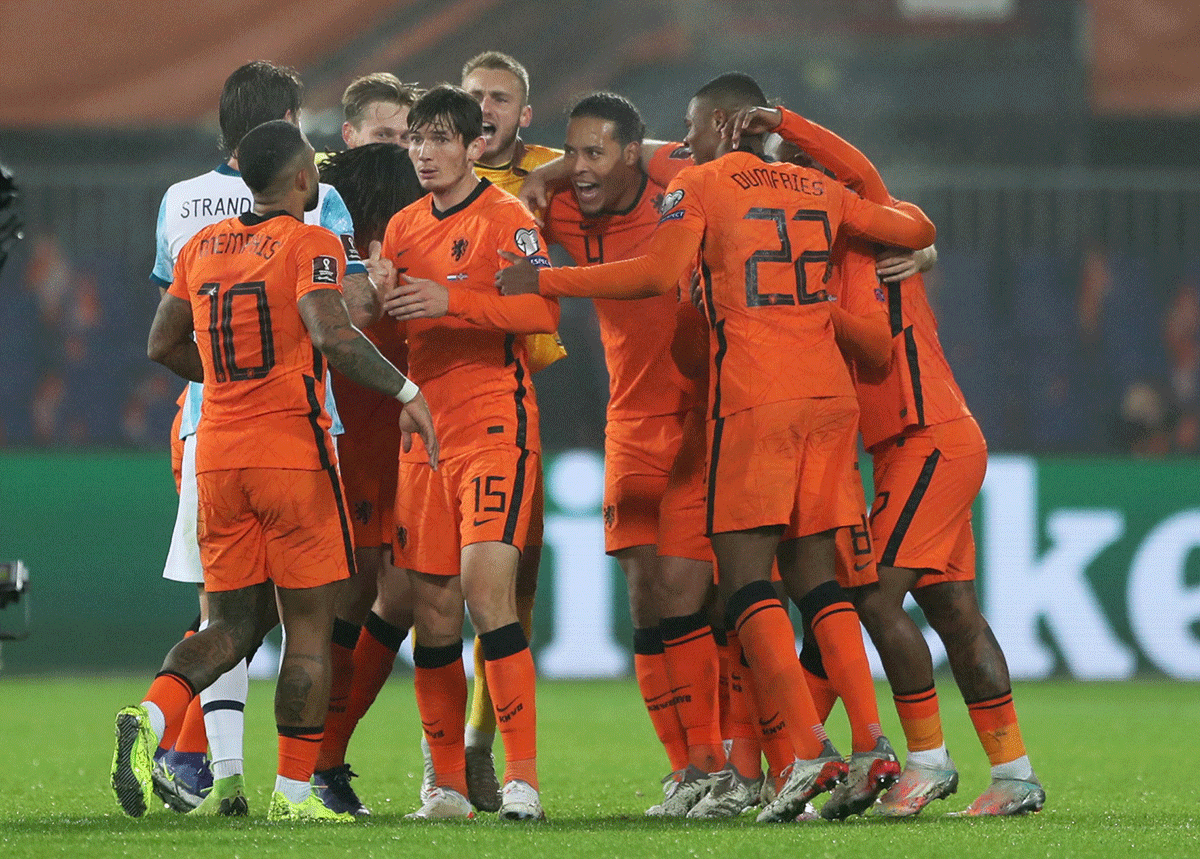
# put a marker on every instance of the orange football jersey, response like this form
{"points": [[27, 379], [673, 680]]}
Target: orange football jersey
{"points": [[475, 378], [643, 381], [767, 231], [264, 381], [919, 388]]}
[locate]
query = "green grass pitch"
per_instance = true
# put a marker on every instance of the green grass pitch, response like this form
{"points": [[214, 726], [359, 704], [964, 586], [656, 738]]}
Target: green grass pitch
{"points": [[1119, 762]]}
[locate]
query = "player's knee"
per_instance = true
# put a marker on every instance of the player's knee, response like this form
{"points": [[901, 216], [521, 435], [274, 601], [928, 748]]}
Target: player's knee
{"points": [[952, 610]]}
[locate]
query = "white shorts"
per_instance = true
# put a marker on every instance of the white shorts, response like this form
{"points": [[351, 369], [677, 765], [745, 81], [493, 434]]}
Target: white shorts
{"points": [[183, 558]]}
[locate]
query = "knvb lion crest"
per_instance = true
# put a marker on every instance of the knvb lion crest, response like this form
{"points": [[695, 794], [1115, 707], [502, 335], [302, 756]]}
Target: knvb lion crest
{"points": [[362, 512], [459, 249], [610, 516], [401, 536]]}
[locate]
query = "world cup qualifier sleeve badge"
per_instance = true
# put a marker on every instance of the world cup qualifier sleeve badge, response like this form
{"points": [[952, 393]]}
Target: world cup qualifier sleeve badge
{"points": [[325, 270]]}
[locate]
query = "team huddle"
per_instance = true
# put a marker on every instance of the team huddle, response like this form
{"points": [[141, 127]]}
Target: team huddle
{"points": [[362, 457]]}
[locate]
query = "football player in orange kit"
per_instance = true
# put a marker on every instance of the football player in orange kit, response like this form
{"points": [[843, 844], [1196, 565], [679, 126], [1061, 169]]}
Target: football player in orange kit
{"points": [[929, 462], [501, 86], [264, 291], [609, 213], [783, 419], [460, 532]]}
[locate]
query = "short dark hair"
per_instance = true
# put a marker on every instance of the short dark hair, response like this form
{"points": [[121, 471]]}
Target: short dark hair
{"points": [[616, 109], [256, 93], [376, 181], [497, 61], [733, 91], [378, 86], [451, 105], [266, 150]]}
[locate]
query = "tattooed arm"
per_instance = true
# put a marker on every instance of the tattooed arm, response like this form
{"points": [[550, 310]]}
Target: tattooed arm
{"points": [[362, 299], [171, 343], [356, 358]]}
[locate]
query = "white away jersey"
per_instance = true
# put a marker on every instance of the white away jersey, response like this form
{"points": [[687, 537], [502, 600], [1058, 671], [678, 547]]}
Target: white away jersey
{"points": [[193, 204]]}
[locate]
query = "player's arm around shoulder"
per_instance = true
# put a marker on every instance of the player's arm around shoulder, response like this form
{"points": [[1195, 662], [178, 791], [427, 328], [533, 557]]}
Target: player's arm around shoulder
{"points": [[518, 242]]}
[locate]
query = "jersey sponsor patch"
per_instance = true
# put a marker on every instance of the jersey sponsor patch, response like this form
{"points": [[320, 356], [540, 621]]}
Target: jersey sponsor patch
{"points": [[539, 261], [325, 270], [527, 242], [350, 250], [670, 201]]}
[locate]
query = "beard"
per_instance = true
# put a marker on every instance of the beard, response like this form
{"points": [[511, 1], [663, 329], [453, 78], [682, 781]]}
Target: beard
{"points": [[313, 197]]}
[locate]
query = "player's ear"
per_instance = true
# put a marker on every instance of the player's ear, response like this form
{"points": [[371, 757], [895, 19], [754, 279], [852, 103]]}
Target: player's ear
{"points": [[719, 118], [347, 133], [632, 153], [476, 148], [526, 116]]}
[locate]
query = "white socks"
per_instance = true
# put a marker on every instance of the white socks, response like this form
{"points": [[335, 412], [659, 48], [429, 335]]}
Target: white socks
{"points": [[296, 791]]}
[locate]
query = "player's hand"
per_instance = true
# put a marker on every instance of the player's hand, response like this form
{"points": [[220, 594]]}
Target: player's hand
{"points": [[417, 298], [893, 265], [535, 194], [520, 278], [415, 418], [752, 120], [382, 271]]}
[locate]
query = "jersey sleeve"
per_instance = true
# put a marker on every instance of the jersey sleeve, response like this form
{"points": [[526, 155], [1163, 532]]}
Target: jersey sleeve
{"points": [[907, 229], [667, 161], [320, 263], [161, 274], [335, 217], [847, 163], [516, 314], [177, 284], [522, 237], [669, 255]]}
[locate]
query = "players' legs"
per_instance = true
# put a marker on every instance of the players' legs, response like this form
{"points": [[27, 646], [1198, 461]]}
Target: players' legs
{"points": [[640, 564], [979, 669], [439, 677], [302, 690], [353, 605], [755, 614], [489, 578], [690, 653], [196, 661], [384, 629]]}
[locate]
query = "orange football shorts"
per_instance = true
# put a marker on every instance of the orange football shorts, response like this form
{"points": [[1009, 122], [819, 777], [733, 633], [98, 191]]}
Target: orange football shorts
{"points": [[285, 525]]}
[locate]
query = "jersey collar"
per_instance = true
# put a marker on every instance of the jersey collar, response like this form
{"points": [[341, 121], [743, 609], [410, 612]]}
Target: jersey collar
{"points": [[225, 170], [483, 185], [251, 220]]}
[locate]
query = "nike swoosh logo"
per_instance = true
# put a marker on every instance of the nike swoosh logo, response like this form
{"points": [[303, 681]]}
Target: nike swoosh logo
{"points": [[503, 707], [858, 568], [478, 522], [765, 722]]}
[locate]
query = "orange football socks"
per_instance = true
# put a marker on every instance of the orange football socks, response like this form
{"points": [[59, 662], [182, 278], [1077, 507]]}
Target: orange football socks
{"points": [[649, 665], [513, 685], [441, 688]]}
